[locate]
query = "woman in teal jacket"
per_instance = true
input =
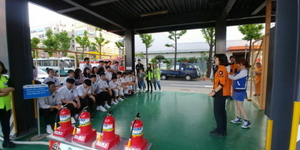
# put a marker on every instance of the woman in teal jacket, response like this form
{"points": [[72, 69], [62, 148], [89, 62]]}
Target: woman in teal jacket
{"points": [[156, 76], [149, 77]]}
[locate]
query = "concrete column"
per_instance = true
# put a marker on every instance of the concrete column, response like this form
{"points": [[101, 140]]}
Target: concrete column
{"points": [[287, 34], [16, 54], [221, 36], [129, 50]]}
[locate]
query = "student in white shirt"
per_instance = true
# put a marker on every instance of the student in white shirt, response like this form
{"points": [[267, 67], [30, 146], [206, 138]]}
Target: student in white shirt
{"points": [[128, 82], [94, 88], [95, 72], [71, 74], [49, 104], [87, 64], [116, 88], [68, 95], [86, 73], [108, 74], [78, 77], [51, 77], [104, 93], [115, 67], [120, 85], [85, 95]]}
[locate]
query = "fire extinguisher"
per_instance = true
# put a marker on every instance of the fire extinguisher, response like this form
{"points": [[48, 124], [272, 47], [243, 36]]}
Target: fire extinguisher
{"points": [[84, 121], [136, 132], [108, 128], [64, 117]]}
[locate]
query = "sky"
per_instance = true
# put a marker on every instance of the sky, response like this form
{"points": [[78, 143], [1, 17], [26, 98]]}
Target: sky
{"points": [[42, 16]]}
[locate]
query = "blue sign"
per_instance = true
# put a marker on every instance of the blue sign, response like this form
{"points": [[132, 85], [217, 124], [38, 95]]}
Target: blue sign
{"points": [[35, 91]]}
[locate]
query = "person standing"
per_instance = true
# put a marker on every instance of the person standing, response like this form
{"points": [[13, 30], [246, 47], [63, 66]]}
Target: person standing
{"points": [[87, 64], [6, 86], [139, 66], [141, 80], [49, 104], [233, 69], [257, 72], [149, 77], [239, 92], [220, 92], [156, 76], [115, 67]]}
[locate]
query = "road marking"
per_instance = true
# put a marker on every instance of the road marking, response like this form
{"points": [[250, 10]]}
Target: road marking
{"points": [[208, 86]]}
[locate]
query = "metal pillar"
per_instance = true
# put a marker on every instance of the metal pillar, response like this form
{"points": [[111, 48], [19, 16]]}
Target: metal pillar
{"points": [[221, 36], [129, 50], [19, 57], [286, 55]]}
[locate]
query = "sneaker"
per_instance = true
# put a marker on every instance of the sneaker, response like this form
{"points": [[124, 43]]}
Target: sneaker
{"points": [[120, 99], [49, 129], [217, 134], [98, 107], [102, 109], [246, 124], [116, 101], [106, 106], [113, 103], [73, 120], [237, 120]]}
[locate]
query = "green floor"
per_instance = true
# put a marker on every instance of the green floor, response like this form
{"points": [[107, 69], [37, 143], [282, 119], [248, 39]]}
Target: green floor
{"points": [[182, 121]]}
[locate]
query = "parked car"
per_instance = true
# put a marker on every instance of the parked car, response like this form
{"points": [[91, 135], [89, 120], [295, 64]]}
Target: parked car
{"points": [[183, 70], [42, 75]]}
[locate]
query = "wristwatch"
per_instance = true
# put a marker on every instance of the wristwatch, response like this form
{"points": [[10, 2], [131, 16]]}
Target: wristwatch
{"points": [[214, 91]]}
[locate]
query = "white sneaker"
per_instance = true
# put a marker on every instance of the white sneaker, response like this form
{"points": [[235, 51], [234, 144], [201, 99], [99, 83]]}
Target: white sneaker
{"points": [[102, 109], [120, 99], [73, 120], [107, 106], [116, 101], [113, 103], [49, 129]]}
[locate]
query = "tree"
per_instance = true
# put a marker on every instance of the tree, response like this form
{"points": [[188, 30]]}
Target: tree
{"points": [[121, 46], [159, 58], [153, 61], [182, 59], [64, 41], [168, 62], [251, 32], [83, 41], [209, 36], [100, 42], [192, 59], [34, 44], [147, 40], [51, 42], [140, 55], [174, 36]]}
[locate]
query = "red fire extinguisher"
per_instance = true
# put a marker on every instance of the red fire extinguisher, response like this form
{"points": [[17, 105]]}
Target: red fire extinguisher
{"points": [[65, 123], [136, 139], [107, 138], [86, 132]]}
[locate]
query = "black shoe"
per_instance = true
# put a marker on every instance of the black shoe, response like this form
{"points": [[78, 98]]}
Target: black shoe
{"points": [[151, 91], [217, 134], [213, 131], [8, 144], [230, 98]]}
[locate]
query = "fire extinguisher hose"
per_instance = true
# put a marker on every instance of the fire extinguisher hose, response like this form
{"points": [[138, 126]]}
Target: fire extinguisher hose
{"points": [[131, 129], [101, 130], [56, 117]]}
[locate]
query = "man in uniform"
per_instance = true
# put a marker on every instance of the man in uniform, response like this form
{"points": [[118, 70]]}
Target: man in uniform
{"points": [[139, 66]]}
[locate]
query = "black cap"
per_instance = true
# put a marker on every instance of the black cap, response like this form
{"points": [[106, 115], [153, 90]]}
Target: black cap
{"points": [[139, 59], [88, 82], [100, 61], [70, 80], [102, 74], [92, 76]]}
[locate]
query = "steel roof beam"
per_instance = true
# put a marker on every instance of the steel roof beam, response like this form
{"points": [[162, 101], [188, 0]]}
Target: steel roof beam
{"points": [[259, 8], [227, 9], [96, 14]]}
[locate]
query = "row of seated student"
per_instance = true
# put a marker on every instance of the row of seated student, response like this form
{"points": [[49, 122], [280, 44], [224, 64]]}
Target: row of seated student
{"points": [[109, 90]]}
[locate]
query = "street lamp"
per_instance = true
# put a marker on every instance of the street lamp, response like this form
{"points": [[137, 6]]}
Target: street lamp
{"points": [[246, 45]]}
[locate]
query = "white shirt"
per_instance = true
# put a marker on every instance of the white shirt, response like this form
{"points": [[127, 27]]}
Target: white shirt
{"points": [[108, 75], [65, 81], [94, 87], [114, 68], [128, 79], [243, 73], [81, 90], [65, 93], [119, 82], [123, 80], [86, 65], [101, 84], [51, 100], [113, 84], [54, 79]]}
